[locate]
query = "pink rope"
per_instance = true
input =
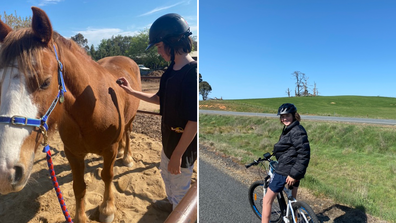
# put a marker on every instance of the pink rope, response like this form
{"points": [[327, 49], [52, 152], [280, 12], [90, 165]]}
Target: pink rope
{"points": [[56, 185]]}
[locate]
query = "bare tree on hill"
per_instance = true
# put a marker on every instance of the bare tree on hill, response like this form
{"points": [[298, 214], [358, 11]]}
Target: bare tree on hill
{"points": [[302, 87], [288, 92]]}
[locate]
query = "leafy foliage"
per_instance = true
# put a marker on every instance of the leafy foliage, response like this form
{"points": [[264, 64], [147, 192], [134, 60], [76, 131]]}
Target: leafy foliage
{"points": [[129, 46], [16, 22], [80, 40], [204, 89]]}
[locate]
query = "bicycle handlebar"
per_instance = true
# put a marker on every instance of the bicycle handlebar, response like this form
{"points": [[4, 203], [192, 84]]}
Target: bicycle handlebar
{"points": [[267, 157]]}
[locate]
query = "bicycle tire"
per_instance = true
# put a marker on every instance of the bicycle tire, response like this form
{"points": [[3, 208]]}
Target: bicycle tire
{"points": [[256, 195], [304, 213]]}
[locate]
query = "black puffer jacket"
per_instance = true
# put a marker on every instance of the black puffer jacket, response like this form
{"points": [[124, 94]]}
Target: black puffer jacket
{"points": [[292, 151]]}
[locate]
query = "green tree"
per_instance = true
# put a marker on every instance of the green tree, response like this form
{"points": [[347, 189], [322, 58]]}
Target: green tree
{"points": [[133, 47], [81, 40], [16, 22], [204, 89], [92, 51], [195, 43], [137, 51]]}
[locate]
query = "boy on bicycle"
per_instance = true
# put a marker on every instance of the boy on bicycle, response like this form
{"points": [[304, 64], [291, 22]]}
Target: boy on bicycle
{"points": [[293, 154]]}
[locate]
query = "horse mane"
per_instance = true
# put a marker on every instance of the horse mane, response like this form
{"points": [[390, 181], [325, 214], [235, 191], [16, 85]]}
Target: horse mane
{"points": [[69, 44], [24, 46]]}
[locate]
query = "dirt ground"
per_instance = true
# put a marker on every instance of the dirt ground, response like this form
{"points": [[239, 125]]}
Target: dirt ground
{"points": [[326, 209], [135, 187]]}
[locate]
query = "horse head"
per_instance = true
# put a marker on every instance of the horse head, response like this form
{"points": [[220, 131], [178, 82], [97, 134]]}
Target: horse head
{"points": [[28, 85]]}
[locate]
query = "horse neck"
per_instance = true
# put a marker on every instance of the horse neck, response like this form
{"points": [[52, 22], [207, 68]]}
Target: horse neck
{"points": [[79, 70]]}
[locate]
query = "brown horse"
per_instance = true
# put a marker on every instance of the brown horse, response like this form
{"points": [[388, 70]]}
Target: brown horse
{"points": [[94, 115]]}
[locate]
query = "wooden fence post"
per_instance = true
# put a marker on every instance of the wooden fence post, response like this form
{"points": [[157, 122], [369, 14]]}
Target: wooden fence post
{"points": [[186, 210]]}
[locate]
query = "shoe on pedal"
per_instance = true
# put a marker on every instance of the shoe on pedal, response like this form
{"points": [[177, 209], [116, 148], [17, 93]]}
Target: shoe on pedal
{"points": [[163, 205]]}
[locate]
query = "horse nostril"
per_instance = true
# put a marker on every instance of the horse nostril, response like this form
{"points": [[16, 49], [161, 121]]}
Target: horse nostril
{"points": [[17, 175]]}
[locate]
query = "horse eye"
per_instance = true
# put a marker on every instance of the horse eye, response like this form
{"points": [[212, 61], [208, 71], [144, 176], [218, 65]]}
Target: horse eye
{"points": [[45, 84]]}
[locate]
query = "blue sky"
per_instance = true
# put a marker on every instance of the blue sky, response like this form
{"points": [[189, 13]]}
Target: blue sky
{"points": [[250, 49], [102, 19]]}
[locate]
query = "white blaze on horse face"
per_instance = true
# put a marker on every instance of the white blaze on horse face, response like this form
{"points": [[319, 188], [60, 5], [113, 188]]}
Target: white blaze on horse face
{"points": [[15, 100]]}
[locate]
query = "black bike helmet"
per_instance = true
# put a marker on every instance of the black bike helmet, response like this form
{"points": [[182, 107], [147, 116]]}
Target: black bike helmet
{"points": [[286, 109], [169, 25]]}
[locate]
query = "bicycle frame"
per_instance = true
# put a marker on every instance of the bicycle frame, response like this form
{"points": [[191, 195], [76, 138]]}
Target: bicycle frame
{"points": [[289, 208], [289, 211]]}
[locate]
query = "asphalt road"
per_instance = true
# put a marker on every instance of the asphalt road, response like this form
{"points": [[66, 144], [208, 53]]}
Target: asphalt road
{"points": [[307, 117], [222, 199]]}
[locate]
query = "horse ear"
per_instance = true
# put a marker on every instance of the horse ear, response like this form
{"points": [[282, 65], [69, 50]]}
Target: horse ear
{"points": [[4, 30], [41, 25]]}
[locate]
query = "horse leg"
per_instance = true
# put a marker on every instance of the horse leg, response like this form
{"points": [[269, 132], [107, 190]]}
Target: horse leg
{"points": [[107, 208], [125, 144], [127, 159], [79, 187], [122, 146]]}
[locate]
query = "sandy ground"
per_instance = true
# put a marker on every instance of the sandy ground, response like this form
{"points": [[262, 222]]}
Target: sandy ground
{"points": [[135, 187]]}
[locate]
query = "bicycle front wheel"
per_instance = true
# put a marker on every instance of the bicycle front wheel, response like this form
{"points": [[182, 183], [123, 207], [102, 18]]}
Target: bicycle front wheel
{"points": [[256, 194], [303, 213]]}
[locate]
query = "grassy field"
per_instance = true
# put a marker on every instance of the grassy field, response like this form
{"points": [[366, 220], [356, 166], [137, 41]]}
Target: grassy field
{"points": [[354, 164], [345, 106]]}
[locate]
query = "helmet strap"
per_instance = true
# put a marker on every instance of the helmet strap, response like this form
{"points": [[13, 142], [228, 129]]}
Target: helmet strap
{"points": [[172, 52]]}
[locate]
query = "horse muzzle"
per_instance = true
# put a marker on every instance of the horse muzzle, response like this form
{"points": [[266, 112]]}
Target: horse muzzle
{"points": [[13, 179]]}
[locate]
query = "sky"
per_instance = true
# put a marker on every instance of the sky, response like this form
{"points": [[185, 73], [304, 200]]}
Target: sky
{"points": [[250, 49], [102, 19]]}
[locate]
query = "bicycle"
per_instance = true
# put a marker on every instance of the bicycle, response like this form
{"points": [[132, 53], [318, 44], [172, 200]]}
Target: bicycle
{"points": [[281, 210]]}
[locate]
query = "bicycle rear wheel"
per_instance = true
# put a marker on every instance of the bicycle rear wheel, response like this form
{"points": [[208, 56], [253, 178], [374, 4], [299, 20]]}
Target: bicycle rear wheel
{"points": [[303, 213], [256, 194]]}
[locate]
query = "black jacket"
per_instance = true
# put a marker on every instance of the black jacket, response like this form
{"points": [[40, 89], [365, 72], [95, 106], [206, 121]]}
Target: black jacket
{"points": [[292, 151]]}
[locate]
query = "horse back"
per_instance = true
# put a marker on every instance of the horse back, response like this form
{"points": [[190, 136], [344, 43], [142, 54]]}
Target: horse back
{"points": [[120, 66]]}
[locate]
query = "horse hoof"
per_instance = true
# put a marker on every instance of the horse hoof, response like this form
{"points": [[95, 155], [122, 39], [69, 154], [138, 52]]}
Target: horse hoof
{"points": [[120, 153], [127, 164], [106, 219]]}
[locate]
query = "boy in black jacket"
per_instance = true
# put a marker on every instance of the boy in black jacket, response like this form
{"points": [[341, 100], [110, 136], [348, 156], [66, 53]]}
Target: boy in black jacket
{"points": [[293, 154]]}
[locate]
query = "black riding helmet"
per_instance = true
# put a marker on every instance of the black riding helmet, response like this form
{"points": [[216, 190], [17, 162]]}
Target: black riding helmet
{"points": [[287, 108], [166, 26]]}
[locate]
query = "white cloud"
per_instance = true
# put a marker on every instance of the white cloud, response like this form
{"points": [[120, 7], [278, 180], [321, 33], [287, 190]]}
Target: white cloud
{"points": [[47, 2], [161, 9], [95, 36]]}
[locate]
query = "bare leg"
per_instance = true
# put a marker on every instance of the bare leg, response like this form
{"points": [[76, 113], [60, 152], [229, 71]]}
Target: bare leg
{"points": [[267, 204]]}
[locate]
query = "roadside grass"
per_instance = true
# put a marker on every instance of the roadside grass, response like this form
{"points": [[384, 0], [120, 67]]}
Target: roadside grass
{"points": [[354, 164], [343, 106]]}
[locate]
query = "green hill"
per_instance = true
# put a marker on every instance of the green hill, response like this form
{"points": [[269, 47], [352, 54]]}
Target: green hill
{"points": [[344, 106]]}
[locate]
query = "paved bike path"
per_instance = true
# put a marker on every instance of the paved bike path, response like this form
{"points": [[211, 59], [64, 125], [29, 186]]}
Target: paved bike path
{"points": [[307, 117], [222, 199]]}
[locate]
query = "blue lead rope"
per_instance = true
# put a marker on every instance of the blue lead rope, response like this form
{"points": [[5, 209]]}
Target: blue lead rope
{"points": [[56, 184]]}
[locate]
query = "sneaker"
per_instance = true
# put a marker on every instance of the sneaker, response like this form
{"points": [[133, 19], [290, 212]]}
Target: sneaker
{"points": [[163, 205]]}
